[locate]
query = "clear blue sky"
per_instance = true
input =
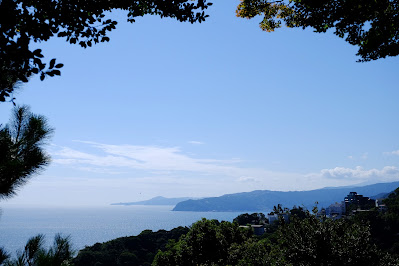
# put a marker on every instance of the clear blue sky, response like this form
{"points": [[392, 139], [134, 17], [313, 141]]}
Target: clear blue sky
{"points": [[176, 109]]}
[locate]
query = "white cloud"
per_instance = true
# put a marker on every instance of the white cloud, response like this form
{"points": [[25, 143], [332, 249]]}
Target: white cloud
{"points": [[358, 173], [101, 170], [363, 156], [392, 152], [153, 158], [195, 142], [248, 179]]}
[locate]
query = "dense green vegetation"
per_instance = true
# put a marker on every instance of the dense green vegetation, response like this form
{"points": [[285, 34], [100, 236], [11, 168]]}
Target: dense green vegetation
{"points": [[246, 218], [134, 250], [208, 242], [368, 238]]}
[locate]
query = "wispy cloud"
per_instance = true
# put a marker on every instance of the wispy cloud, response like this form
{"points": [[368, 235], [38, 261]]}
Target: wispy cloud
{"points": [[153, 158], [101, 170], [248, 179], [363, 156], [358, 173], [165, 162], [195, 142], [392, 152]]}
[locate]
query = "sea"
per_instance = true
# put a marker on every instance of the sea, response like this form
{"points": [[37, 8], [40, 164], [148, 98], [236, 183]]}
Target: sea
{"points": [[89, 225]]}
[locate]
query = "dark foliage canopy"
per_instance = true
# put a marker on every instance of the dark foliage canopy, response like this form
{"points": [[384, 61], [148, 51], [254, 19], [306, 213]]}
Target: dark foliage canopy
{"points": [[246, 218], [209, 242], [384, 224], [82, 22], [371, 25], [132, 250], [305, 240], [21, 149]]}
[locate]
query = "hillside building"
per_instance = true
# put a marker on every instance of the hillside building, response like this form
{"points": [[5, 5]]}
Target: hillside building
{"points": [[336, 210], [355, 201]]}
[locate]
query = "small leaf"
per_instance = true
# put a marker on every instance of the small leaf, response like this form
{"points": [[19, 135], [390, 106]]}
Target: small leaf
{"points": [[42, 76], [59, 65], [52, 63], [37, 52], [56, 72]]}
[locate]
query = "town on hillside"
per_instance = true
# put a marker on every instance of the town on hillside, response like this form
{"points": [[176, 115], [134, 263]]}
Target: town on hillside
{"points": [[351, 205]]}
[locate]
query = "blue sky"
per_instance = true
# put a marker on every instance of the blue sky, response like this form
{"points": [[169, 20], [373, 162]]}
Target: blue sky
{"points": [[176, 109]]}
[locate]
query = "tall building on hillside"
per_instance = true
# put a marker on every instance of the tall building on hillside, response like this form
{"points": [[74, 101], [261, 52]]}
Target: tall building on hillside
{"points": [[355, 201]]}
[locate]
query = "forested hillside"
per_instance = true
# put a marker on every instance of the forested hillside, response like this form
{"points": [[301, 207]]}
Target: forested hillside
{"points": [[265, 200], [133, 250]]}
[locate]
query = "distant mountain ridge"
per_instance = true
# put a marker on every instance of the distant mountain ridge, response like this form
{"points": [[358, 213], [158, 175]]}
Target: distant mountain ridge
{"points": [[155, 201], [264, 200]]}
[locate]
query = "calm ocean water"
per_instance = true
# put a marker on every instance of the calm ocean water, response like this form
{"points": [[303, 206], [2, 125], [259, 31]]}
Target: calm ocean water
{"points": [[87, 226]]}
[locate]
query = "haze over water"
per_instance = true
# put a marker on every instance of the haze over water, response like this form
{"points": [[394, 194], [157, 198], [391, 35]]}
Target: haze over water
{"points": [[87, 226]]}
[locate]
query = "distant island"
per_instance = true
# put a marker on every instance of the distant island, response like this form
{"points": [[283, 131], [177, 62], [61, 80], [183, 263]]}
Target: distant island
{"points": [[265, 200], [155, 201]]}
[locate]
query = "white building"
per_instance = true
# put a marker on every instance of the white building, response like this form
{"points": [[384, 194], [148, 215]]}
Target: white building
{"points": [[336, 210], [274, 217]]}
